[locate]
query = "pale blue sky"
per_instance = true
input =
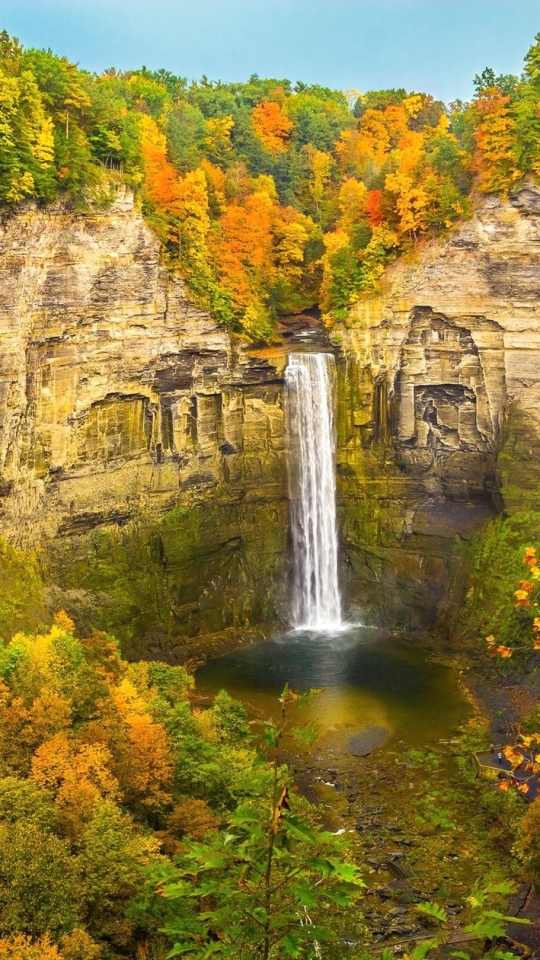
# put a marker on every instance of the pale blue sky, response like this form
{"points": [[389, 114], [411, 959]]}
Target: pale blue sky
{"points": [[430, 45]]}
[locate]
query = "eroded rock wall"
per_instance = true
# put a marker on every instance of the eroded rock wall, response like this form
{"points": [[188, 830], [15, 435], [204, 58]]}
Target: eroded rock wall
{"points": [[143, 449], [439, 409], [120, 401]]}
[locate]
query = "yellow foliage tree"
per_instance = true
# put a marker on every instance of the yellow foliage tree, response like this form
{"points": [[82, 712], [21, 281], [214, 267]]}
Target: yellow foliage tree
{"points": [[320, 167], [411, 203], [218, 140], [352, 202], [79, 775], [23, 948]]}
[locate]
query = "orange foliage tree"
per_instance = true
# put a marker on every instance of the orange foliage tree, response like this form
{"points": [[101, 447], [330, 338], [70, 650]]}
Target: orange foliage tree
{"points": [[526, 598], [494, 160], [271, 125]]}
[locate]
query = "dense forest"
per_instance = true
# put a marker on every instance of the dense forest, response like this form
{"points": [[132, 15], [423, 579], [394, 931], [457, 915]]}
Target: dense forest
{"points": [[133, 818], [269, 198]]}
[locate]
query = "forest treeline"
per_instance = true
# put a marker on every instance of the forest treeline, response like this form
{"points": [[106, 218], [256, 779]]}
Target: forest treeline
{"points": [[270, 198]]}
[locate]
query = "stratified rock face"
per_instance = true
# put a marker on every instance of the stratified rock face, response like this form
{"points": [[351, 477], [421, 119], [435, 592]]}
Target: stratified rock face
{"points": [[119, 399], [441, 372], [143, 449]]}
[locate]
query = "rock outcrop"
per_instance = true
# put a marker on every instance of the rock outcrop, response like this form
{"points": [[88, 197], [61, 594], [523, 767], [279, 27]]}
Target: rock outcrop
{"points": [[120, 402], [442, 373]]}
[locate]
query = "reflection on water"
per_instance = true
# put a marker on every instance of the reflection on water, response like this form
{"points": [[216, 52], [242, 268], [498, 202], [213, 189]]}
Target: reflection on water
{"points": [[367, 679]]}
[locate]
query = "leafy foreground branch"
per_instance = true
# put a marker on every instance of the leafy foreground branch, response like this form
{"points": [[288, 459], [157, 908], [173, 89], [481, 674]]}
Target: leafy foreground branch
{"points": [[254, 889]]}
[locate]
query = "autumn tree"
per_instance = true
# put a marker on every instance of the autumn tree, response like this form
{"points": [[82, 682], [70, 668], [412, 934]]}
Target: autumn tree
{"points": [[224, 170], [495, 135], [271, 125], [528, 843]]}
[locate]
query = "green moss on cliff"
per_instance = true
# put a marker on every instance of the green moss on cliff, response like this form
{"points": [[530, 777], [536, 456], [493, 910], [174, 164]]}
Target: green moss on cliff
{"points": [[495, 565], [154, 583], [21, 592]]}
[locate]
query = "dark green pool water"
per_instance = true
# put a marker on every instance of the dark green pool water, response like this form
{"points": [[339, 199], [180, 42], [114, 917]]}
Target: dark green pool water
{"points": [[368, 679]]}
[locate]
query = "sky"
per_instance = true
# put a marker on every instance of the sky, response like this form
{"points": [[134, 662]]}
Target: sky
{"points": [[432, 46]]}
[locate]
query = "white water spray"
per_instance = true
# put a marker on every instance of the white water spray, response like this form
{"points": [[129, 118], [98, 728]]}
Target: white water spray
{"points": [[310, 381]]}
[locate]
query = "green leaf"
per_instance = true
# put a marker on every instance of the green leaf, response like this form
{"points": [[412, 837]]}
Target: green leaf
{"points": [[181, 948], [505, 887], [423, 949], [272, 734], [305, 894], [487, 928], [348, 872], [499, 955], [298, 828], [306, 734], [433, 910], [304, 699], [341, 897], [291, 945]]}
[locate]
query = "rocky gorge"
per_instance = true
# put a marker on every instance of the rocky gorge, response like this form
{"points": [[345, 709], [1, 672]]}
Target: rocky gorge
{"points": [[142, 447]]}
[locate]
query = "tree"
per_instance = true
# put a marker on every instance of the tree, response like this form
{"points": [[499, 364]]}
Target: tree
{"points": [[528, 844], [22, 801], [353, 197], [271, 125], [251, 890], [229, 718], [320, 168], [532, 62], [495, 136], [112, 859], [24, 948], [78, 775], [144, 767], [527, 601], [39, 882], [411, 203]]}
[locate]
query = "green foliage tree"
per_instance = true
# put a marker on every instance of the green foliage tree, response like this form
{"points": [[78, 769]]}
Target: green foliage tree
{"points": [[39, 881], [251, 890]]}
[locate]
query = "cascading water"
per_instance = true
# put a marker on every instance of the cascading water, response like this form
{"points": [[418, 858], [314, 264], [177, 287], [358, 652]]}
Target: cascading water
{"points": [[310, 382]]}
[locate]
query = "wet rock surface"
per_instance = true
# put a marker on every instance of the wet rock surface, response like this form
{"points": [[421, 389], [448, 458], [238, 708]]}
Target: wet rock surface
{"points": [[368, 740]]}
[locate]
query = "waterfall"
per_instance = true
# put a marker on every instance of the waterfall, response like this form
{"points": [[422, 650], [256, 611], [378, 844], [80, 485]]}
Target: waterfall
{"points": [[310, 382]]}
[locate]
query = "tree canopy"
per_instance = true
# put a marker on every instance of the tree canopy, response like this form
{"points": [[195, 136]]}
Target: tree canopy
{"points": [[269, 197]]}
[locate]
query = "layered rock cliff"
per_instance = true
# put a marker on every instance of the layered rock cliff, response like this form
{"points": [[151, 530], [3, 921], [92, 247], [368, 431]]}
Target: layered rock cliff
{"points": [[142, 448], [128, 412], [440, 421]]}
